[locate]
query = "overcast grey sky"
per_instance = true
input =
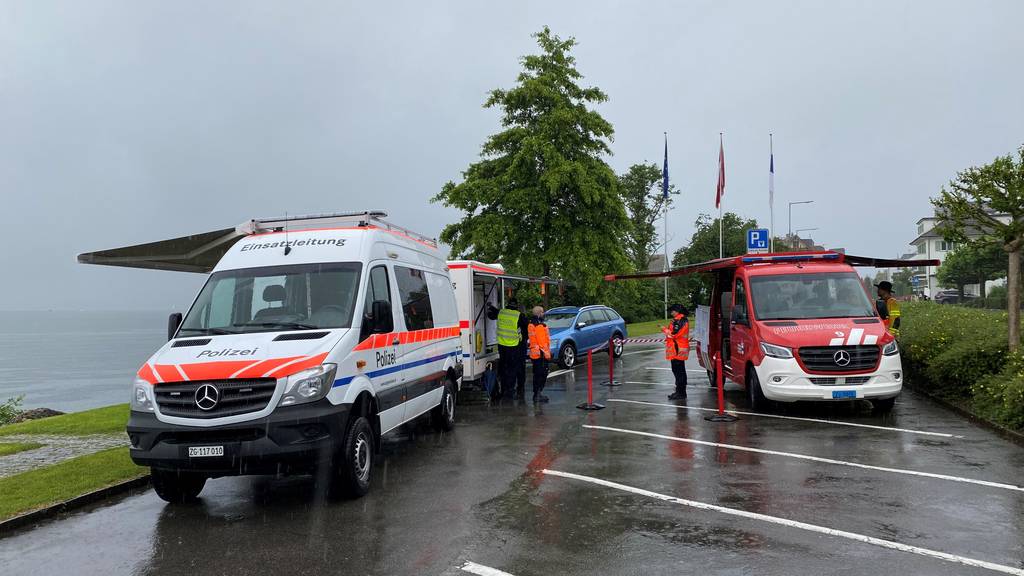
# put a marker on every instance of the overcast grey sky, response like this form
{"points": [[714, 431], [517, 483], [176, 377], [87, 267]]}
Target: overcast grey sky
{"points": [[125, 122]]}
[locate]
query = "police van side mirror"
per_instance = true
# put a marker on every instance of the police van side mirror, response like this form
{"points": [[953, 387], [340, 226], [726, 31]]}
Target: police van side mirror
{"points": [[173, 321], [381, 319]]}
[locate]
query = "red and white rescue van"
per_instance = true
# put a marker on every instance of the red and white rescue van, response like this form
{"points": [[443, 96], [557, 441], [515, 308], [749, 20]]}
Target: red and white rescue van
{"points": [[796, 326], [312, 337]]}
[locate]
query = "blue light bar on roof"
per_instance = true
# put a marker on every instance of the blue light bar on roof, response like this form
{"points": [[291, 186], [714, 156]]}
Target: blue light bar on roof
{"points": [[789, 258]]}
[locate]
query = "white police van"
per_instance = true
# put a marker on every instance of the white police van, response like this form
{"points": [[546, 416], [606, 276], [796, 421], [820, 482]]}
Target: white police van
{"points": [[312, 337]]}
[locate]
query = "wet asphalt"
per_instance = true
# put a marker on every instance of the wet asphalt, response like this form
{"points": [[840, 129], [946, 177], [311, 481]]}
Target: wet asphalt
{"points": [[479, 495]]}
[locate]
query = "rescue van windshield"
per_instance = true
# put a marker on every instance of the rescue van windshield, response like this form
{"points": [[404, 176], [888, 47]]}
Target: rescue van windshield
{"points": [[809, 296], [275, 298]]}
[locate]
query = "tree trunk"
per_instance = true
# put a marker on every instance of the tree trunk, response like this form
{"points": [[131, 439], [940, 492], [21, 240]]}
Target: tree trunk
{"points": [[1013, 297], [981, 287]]}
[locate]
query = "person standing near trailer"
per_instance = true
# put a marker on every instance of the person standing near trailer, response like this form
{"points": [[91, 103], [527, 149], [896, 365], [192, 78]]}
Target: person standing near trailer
{"points": [[513, 331], [540, 353], [677, 348], [888, 308]]}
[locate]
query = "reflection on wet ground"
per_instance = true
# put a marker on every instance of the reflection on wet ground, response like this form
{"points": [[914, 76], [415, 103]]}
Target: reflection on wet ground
{"points": [[479, 495]]}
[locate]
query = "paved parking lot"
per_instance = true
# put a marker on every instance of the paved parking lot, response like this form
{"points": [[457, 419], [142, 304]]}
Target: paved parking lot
{"points": [[642, 487]]}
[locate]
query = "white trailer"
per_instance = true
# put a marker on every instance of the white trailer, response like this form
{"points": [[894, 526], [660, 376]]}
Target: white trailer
{"points": [[476, 285]]}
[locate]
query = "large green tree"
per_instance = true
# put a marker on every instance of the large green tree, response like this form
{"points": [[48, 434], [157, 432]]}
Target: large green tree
{"points": [[542, 200], [703, 246], [972, 263], [989, 200]]}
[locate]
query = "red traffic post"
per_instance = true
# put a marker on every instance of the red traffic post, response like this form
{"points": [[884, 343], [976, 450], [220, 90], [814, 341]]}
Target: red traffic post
{"points": [[589, 405], [611, 365], [721, 415]]}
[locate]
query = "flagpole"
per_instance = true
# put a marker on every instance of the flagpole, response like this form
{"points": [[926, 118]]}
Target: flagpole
{"points": [[771, 193], [721, 242], [664, 200]]}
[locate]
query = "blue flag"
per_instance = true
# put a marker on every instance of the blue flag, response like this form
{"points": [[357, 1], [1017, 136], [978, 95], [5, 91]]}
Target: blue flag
{"points": [[664, 172]]}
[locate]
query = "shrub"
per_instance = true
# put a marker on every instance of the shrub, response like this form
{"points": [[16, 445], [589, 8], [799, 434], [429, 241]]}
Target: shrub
{"points": [[952, 372], [9, 409], [1000, 397]]}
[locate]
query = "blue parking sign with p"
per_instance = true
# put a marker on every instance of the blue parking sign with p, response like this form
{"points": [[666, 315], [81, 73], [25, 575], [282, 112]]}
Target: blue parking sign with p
{"points": [[757, 240]]}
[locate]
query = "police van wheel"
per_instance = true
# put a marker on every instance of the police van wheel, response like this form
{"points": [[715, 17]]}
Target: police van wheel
{"points": [[177, 487], [352, 476], [758, 402], [443, 417], [567, 355]]}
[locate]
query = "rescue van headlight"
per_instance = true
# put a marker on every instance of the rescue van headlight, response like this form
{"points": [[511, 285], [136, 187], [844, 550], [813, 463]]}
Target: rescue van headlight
{"points": [[776, 351], [309, 385], [891, 349], [142, 396]]}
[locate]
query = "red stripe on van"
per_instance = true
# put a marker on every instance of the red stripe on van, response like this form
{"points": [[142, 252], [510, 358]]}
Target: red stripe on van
{"points": [[146, 373]]}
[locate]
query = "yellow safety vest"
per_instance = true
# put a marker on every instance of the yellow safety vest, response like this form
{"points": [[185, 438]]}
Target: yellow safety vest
{"points": [[508, 328]]}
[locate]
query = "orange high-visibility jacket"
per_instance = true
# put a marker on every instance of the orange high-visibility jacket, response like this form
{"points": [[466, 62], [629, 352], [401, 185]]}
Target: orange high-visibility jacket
{"points": [[677, 339], [540, 340]]}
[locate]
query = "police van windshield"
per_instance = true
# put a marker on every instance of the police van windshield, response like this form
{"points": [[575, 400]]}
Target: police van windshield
{"points": [[275, 298], [806, 296]]}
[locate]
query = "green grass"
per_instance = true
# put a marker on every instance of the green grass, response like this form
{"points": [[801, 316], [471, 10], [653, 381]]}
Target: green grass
{"points": [[107, 420], [59, 482], [645, 328], [7, 448]]}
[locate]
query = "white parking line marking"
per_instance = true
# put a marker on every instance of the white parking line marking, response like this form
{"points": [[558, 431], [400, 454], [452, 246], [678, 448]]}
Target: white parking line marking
{"points": [[795, 524], [654, 383], [474, 568], [819, 420], [669, 369], [558, 373], [813, 458]]}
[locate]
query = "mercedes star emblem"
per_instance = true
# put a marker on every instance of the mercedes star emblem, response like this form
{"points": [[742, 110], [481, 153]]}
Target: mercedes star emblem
{"points": [[207, 396], [841, 358]]}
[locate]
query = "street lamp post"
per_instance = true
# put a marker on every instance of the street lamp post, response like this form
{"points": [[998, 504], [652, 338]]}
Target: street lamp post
{"points": [[791, 213]]}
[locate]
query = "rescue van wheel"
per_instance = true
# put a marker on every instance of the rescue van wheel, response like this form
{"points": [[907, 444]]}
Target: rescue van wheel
{"points": [[883, 405], [567, 355], [758, 402], [177, 487], [352, 474], [443, 417]]}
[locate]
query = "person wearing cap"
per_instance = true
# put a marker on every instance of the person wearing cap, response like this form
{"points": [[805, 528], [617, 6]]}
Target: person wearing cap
{"points": [[677, 348], [888, 307], [540, 353]]}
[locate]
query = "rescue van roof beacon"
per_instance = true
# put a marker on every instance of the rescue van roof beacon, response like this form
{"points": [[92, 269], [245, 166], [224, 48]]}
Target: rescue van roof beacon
{"points": [[312, 337]]}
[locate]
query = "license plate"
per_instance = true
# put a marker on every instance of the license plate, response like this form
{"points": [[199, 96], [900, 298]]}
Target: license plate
{"points": [[205, 451], [844, 393]]}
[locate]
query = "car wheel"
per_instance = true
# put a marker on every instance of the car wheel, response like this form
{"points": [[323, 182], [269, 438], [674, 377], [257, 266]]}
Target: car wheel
{"points": [[567, 355], [177, 487], [352, 474], [883, 405], [443, 417], [618, 346], [758, 402]]}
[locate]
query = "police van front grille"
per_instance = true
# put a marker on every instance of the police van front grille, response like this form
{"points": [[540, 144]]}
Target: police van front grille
{"points": [[832, 381], [232, 397], [823, 358]]}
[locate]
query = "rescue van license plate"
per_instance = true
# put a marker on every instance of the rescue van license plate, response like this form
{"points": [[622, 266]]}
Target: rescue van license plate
{"points": [[205, 451], [844, 393]]}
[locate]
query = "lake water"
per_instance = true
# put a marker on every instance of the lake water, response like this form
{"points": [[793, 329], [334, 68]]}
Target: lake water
{"points": [[74, 361]]}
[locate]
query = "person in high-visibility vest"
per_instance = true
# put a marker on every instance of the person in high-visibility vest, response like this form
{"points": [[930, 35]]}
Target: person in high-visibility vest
{"points": [[540, 353], [677, 348], [888, 308], [512, 332]]}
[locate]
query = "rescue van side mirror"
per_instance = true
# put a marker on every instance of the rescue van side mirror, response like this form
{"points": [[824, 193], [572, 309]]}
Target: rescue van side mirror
{"points": [[381, 320], [173, 321]]}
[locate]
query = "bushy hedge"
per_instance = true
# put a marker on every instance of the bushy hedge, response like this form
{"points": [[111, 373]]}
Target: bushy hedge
{"points": [[961, 354]]}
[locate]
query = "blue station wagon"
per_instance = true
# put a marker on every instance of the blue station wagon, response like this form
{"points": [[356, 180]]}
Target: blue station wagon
{"points": [[576, 330]]}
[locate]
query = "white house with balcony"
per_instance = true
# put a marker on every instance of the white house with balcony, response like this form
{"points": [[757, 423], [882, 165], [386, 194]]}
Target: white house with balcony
{"points": [[930, 244]]}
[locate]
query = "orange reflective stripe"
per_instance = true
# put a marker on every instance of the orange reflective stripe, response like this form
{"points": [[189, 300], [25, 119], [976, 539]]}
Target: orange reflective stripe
{"points": [[146, 373], [260, 368], [290, 369], [168, 373]]}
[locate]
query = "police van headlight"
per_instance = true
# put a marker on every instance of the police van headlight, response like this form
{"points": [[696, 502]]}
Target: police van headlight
{"points": [[891, 349], [142, 396], [774, 351], [309, 385]]}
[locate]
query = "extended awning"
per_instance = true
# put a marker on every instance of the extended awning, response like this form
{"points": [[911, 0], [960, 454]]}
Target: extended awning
{"points": [[193, 253]]}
